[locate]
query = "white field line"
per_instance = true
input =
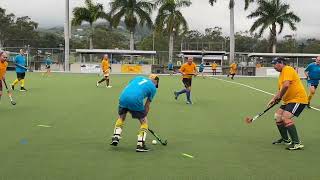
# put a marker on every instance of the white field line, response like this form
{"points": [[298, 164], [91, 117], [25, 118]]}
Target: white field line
{"points": [[250, 87]]}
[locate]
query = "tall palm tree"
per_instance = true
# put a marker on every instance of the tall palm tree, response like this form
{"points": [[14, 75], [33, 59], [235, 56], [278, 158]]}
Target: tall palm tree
{"points": [[90, 13], [134, 12], [171, 20], [271, 13], [232, 39]]}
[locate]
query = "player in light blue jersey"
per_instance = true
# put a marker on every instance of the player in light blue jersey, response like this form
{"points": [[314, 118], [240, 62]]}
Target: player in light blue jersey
{"points": [[136, 99], [20, 62], [313, 76], [47, 62]]}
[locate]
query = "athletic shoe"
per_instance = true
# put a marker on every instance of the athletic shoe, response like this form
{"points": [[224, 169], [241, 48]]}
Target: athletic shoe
{"points": [[22, 89], [114, 141], [295, 146], [142, 148], [97, 84], [176, 95], [12, 87], [308, 105], [108, 86], [189, 102], [282, 141]]}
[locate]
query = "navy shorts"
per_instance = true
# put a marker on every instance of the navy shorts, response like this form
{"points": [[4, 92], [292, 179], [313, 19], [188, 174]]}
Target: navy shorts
{"points": [[187, 82], [134, 114], [48, 67], [294, 108], [21, 75], [313, 83]]}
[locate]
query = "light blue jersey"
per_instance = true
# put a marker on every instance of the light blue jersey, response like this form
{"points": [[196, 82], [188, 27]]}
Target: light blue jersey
{"points": [[201, 67], [20, 60], [48, 61], [133, 96], [313, 70]]}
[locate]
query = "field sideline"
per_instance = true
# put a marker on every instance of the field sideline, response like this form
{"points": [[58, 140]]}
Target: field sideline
{"points": [[76, 121]]}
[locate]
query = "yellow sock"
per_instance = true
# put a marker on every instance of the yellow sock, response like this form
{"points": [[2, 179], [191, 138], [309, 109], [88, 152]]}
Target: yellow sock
{"points": [[142, 134], [22, 82], [310, 97], [15, 82], [118, 127]]}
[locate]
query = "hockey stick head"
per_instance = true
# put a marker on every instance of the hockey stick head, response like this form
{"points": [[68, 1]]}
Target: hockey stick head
{"points": [[248, 120]]}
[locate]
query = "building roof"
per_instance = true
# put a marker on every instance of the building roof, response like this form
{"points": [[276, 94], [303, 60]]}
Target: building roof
{"points": [[115, 51], [288, 55]]}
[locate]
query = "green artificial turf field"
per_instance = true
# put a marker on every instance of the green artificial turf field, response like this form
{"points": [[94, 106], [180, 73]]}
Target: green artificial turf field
{"points": [[78, 121]]}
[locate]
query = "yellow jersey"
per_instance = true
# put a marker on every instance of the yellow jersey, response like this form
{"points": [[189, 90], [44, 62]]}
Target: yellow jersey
{"points": [[233, 68], [188, 69], [105, 65], [3, 69], [296, 92], [214, 66]]}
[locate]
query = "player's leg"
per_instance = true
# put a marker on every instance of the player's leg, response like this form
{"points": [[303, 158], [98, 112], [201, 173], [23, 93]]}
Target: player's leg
{"points": [[185, 83], [119, 126], [0, 89], [22, 80], [232, 75], [108, 81], [291, 110], [15, 82], [312, 90], [188, 93], [142, 135], [281, 127]]}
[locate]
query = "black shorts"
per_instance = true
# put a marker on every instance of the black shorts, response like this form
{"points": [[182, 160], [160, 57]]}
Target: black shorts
{"points": [[294, 108], [187, 82], [134, 114], [0, 85], [48, 67], [21, 75]]}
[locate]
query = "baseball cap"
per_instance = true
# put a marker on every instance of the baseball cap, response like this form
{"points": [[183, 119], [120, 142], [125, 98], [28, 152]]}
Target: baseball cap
{"points": [[156, 78], [278, 60]]}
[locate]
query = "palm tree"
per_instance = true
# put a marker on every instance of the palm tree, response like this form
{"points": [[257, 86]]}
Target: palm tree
{"points": [[170, 20], [90, 13], [134, 12], [271, 13], [232, 39]]}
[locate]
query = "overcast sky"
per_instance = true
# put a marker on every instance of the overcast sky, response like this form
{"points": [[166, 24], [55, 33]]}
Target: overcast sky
{"points": [[199, 16]]}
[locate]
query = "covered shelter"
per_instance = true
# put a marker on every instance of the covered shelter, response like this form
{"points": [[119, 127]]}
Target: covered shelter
{"points": [[114, 52]]}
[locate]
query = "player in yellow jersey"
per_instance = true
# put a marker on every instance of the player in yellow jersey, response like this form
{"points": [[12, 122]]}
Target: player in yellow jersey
{"points": [[214, 68], [3, 68], [105, 66], [233, 70], [187, 70], [294, 97]]}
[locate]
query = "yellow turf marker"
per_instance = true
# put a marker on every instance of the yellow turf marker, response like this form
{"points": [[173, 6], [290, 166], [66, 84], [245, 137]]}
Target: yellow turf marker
{"points": [[187, 155], [44, 126]]}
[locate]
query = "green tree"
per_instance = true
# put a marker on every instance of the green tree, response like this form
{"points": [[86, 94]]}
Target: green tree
{"points": [[6, 21], [232, 37], [270, 14], [134, 12], [90, 13], [171, 21]]}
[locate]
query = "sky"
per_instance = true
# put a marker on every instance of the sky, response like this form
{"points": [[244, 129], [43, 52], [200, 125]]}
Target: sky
{"points": [[200, 15]]}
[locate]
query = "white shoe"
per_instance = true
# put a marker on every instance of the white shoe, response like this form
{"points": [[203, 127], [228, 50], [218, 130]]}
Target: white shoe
{"points": [[97, 84], [109, 86]]}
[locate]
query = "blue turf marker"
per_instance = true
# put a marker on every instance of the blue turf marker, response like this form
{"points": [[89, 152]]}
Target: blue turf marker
{"points": [[23, 141]]}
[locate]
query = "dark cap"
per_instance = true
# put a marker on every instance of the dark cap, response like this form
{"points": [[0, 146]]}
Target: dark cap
{"points": [[156, 78], [276, 60]]}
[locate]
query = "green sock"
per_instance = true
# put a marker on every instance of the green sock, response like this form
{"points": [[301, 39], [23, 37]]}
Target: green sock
{"points": [[283, 131], [293, 134]]}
